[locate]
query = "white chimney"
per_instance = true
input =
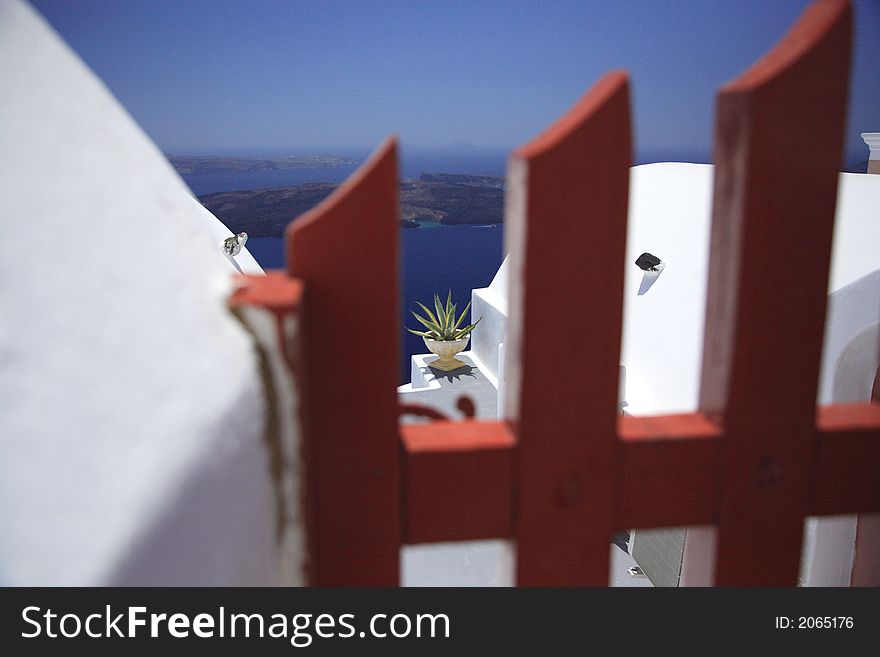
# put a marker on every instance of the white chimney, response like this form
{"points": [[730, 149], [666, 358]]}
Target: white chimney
{"points": [[872, 139]]}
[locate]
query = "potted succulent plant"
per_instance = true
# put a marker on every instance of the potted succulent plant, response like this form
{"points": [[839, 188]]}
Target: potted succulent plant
{"points": [[444, 336]]}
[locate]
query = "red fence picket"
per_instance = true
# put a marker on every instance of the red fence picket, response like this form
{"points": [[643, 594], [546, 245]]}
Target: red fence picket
{"points": [[772, 226], [345, 250], [566, 234]]}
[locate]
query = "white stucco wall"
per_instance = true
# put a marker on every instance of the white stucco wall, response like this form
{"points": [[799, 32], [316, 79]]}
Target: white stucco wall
{"points": [[489, 305], [670, 216], [131, 432]]}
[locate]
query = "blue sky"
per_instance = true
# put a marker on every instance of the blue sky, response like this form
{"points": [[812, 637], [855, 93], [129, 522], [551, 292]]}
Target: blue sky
{"points": [[217, 76]]}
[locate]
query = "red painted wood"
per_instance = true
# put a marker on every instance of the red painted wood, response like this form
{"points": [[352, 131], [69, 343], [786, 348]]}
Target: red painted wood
{"points": [[458, 481], [847, 469], [276, 291], [566, 231], [778, 146], [345, 250], [282, 296], [669, 471], [866, 563]]}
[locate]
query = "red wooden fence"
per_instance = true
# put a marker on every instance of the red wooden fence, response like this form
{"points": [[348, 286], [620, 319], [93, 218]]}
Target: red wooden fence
{"points": [[566, 222], [775, 196], [346, 252], [564, 472]]}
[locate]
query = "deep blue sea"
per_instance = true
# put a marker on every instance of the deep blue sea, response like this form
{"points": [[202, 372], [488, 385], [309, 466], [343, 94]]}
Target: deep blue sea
{"points": [[433, 259]]}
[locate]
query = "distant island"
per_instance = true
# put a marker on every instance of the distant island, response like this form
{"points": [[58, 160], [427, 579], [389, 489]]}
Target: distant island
{"points": [[442, 198], [223, 164]]}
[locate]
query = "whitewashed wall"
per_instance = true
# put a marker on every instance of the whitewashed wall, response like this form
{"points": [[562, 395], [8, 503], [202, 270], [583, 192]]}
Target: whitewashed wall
{"points": [[131, 431], [489, 305], [850, 357]]}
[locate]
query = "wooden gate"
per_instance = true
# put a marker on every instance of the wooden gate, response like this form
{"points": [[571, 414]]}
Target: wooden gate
{"points": [[565, 472]]}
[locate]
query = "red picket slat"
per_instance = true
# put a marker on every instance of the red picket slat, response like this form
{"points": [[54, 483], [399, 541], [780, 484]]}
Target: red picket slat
{"points": [[345, 250], [668, 473], [846, 477], [566, 233], [458, 481], [775, 194]]}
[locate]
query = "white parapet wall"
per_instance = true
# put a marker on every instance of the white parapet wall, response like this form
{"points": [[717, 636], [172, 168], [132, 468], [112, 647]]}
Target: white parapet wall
{"points": [[489, 305], [132, 447], [670, 206]]}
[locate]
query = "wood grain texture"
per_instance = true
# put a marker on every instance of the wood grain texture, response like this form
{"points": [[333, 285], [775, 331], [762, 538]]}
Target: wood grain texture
{"points": [[345, 251]]}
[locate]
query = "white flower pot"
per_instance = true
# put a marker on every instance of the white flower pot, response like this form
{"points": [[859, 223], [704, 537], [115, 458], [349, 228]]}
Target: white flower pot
{"points": [[446, 351]]}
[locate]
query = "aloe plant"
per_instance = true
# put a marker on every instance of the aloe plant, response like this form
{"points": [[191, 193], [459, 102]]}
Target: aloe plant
{"points": [[442, 323]]}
